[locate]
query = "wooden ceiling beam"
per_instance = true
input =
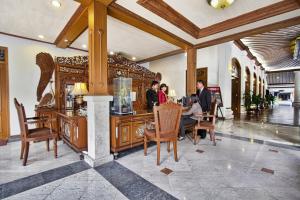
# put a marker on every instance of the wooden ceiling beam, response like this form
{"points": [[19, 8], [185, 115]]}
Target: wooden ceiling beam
{"points": [[77, 24], [255, 31], [161, 56], [251, 17], [137, 21], [162, 9]]}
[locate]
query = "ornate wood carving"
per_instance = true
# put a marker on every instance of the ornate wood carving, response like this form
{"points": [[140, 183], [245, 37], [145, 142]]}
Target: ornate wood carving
{"points": [[75, 69], [68, 71], [47, 66]]}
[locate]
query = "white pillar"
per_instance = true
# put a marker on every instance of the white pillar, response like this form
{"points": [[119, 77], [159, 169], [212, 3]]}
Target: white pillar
{"points": [[224, 78], [297, 89], [98, 130]]}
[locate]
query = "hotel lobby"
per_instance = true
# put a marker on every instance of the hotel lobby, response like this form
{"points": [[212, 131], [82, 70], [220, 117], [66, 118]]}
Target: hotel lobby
{"points": [[149, 99]]}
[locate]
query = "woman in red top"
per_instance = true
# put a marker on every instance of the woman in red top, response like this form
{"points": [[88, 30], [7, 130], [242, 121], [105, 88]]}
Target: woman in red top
{"points": [[162, 96]]}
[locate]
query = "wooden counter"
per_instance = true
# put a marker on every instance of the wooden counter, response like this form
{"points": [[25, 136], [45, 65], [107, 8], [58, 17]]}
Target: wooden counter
{"points": [[124, 130], [73, 129]]}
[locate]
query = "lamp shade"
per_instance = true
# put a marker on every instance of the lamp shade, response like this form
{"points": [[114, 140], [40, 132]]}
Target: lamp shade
{"points": [[172, 93], [80, 89]]}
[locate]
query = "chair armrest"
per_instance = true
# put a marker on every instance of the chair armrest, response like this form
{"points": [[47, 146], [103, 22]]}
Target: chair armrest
{"points": [[37, 118], [40, 120]]}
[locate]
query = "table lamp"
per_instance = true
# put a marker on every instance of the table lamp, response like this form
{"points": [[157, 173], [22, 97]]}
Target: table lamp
{"points": [[79, 90], [172, 94]]}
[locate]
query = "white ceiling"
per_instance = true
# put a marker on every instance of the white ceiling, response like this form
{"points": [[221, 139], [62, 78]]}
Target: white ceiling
{"points": [[203, 15], [30, 18], [195, 9]]}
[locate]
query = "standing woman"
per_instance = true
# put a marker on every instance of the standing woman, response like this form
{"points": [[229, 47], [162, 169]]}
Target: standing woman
{"points": [[162, 94]]}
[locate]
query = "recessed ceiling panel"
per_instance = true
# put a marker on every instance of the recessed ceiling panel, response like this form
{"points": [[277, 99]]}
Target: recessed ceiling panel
{"points": [[203, 15]]}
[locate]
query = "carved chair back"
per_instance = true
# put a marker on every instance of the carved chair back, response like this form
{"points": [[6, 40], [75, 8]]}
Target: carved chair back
{"points": [[167, 119], [22, 118]]}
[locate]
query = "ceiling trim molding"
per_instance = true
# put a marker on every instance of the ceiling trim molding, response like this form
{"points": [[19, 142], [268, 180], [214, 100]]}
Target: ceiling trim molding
{"points": [[160, 56], [128, 17], [36, 40], [250, 17], [255, 31], [74, 28], [166, 12]]}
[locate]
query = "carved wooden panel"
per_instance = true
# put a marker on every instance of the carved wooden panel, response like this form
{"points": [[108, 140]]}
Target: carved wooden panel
{"points": [[124, 134], [47, 66]]}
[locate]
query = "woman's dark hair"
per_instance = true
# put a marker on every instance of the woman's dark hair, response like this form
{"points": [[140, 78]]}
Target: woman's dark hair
{"points": [[194, 98], [162, 86], [154, 83]]}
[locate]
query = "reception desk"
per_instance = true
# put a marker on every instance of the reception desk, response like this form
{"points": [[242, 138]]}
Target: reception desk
{"points": [[125, 130]]}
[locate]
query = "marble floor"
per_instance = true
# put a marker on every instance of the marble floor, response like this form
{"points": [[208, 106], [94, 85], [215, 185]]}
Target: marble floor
{"points": [[252, 160], [230, 170], [289, 135]]}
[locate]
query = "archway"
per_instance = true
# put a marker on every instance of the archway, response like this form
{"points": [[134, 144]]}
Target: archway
{"points": [[254, 83], [235, 87], [247, 81], [259, 85]]}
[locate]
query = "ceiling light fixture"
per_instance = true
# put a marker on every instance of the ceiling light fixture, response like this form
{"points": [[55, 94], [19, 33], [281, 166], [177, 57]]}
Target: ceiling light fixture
{"points": [[111, 53], [56, 3], [220, 4], [41, 36], [133, 58], [84, 46]]}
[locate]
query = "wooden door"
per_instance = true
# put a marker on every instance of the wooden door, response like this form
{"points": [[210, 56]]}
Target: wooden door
{"points": [[236, 96], [201, 74], [4, 95], [124, 134]]}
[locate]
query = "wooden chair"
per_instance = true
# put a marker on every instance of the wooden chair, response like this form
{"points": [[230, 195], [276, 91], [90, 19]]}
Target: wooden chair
{"points": [[35, 134], [167, 119], [206, 122]]}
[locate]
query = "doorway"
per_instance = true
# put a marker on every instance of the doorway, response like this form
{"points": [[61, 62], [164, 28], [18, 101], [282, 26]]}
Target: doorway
{"points": [[247, 81], [4, 106], [235, 87], [259, 85], [201, 74], [254, 84]]}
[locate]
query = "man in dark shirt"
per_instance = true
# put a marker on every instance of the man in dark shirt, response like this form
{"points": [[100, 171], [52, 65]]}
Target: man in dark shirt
{"points": [[151, 95], [204, 96]]}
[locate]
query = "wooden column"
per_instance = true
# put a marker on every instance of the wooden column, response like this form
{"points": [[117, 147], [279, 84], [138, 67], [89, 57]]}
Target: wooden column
{"points": [[191, 71], [97, 21]]}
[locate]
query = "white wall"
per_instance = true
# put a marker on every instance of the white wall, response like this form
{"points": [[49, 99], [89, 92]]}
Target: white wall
{"points": [[24, 74], [173, 70]]}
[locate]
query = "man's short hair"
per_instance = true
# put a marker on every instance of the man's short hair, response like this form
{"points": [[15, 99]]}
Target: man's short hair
{"points": [[201, 81], [154, 83]]}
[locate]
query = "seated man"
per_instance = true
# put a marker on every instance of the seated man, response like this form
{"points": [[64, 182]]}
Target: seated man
{"points": [[189, 117]]}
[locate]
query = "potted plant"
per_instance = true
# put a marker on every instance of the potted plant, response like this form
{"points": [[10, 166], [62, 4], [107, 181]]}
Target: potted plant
{"points": [[248, 102], [256, 100]]}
